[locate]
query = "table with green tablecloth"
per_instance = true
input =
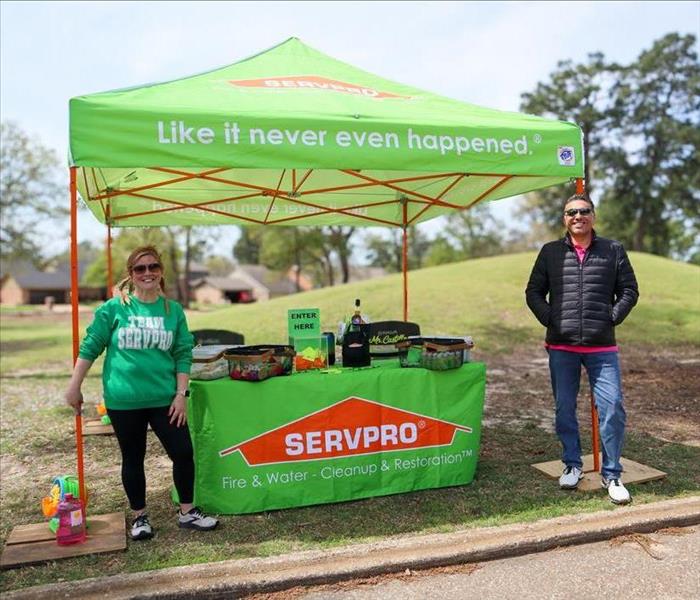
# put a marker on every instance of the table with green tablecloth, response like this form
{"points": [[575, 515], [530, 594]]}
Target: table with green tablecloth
{"points": [[319, 437]]}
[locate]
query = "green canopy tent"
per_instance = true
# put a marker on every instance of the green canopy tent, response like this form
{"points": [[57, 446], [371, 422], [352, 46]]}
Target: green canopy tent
{"points": [[292, 136]]}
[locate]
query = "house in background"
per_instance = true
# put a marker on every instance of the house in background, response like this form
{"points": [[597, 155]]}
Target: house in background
{"points": [[197, 271], [24, 284], [247, 283], [221, 290]]}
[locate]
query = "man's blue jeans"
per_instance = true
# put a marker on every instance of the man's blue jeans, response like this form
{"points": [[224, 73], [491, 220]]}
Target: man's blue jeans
{"points": [[603, 370]]}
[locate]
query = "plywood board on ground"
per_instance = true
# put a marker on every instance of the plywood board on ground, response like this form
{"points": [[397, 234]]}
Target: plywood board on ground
{"points": [[28, 544], [633, 472], [95, 427]]}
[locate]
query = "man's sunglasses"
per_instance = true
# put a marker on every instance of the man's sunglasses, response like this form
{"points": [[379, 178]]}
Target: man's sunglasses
{"points": [[584, 212], [141, 269]]}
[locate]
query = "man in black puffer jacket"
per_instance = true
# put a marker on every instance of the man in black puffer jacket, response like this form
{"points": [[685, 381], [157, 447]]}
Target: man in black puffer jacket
{"points": [[580, 288]]}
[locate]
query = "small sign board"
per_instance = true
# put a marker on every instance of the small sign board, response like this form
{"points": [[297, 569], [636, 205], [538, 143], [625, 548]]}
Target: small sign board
{"points": [[388, 333], [303, 322], [383, 335]]}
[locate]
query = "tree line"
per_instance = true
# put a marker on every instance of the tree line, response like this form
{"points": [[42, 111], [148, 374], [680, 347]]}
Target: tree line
{"points": [[641, 132]]}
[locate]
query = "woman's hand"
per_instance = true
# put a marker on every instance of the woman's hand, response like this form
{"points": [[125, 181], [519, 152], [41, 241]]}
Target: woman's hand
{"points": [[73, 395], [74, 399], [178, 411]]}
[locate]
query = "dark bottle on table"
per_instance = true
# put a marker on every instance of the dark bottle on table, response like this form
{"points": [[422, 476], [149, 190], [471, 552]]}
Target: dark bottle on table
{"points": [[356, 318]]}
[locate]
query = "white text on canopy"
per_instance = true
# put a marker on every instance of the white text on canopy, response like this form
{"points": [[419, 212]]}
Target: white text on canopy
{"points": [[180, 132]]}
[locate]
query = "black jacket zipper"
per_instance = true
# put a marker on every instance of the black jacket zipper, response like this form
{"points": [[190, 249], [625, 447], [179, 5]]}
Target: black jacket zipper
{"points": [[580, 289], [580, 297]]}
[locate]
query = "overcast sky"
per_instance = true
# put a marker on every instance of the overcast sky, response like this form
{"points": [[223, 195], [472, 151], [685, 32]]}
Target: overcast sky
{"points": [[485, 53]]}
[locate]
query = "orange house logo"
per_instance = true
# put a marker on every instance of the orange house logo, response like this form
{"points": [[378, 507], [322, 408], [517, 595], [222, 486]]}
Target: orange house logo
{"points": [[313, 82], [351, 427]]}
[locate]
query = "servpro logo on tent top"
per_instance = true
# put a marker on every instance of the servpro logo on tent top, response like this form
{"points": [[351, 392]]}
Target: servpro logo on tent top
{"points": [[314, 82], [353, 426]]}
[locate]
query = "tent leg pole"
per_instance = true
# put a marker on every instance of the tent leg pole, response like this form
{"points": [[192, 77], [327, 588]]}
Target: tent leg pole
{"points": [[110, 279], [595, 435], [75, 320], [404, 262], [595, 427]]}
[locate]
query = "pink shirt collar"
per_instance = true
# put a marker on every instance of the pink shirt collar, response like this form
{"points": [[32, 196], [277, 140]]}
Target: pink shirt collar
{"points": [[580, 252]]}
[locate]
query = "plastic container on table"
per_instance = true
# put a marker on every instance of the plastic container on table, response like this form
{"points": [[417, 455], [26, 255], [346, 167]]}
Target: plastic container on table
{"points": [[410, 352], [434, 353], [311, 352], [208, 362], [257, 363]]}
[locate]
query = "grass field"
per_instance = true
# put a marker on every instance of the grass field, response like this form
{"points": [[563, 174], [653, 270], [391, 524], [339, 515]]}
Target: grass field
{"points": [[483, 298]]}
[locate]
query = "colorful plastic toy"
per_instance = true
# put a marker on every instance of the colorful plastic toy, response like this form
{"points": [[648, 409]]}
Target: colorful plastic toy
{"points": [[102, 411], [62, 485]]}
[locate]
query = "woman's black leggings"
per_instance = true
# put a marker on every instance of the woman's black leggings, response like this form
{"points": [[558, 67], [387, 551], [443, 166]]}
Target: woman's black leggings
{"points": [[130, 427]]}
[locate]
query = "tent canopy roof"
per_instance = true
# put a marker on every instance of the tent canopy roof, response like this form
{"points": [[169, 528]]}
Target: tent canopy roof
{"points": [[291, 136]]}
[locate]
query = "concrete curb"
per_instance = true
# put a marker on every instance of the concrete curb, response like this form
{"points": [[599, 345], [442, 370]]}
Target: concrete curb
{"points": [[235, 578]]}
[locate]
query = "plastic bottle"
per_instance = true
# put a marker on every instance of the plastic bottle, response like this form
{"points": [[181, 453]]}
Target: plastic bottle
{"points": [[71, 521]]}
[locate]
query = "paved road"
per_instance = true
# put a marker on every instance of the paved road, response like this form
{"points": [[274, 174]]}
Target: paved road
{"points": [[645, 567]]}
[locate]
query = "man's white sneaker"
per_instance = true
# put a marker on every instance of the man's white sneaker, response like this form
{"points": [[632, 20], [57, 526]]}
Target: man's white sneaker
{"points": [[196, 519], [618, 493], [570, 477], [141, 529]]}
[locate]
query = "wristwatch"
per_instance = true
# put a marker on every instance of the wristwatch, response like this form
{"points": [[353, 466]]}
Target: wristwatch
{"points": [[185, 393]]}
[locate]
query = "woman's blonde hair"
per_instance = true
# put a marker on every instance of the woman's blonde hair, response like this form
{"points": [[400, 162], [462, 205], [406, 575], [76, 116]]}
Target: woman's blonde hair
{"points": [[126, 285]]}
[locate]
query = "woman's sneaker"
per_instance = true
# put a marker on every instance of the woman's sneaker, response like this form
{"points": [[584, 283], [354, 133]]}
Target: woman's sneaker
{"points": [[196, 519], [141, 529], [570, 477], [618, 493]]}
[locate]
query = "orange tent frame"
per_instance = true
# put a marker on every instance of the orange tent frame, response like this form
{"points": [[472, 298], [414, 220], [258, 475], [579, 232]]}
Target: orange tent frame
{"points": [[406, 196]]}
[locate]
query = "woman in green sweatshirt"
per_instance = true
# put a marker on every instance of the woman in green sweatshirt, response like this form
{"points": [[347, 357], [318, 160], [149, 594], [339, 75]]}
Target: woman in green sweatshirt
{"points": [[145, 379]]}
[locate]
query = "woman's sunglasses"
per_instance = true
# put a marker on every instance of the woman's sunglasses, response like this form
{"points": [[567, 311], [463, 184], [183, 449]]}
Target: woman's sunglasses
{"points": [[584, 212], [141, 269]]}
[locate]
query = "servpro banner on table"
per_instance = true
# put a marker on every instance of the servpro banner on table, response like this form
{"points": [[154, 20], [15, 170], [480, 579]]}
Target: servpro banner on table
{"points": [[317, 438]]}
